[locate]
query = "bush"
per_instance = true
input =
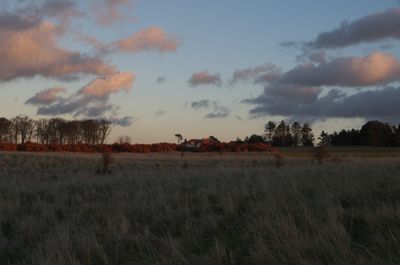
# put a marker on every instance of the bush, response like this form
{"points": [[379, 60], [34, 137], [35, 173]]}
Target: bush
{"points": [[320, 153], [8, 147]]}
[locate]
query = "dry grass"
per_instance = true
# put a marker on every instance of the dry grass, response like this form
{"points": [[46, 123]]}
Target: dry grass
{"points": [[346, 151], [200, 209]]}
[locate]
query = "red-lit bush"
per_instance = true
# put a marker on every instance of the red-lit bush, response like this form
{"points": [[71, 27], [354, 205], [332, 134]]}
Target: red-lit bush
{"points": [[32, 147], [138, 148], [163, 147], [244, 147], [102, 148], [8, 147]]}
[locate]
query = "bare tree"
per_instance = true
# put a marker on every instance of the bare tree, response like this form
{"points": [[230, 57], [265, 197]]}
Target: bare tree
{"points": [[22, 129], [14, 130], [5, 126], [104, 130], [55, 132], [42, 131], [124, 139], [90, 131], [27, 128], [73, 132]]}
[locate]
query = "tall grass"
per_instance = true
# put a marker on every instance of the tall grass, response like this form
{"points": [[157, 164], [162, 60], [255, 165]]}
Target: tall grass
{"points": [[216, 210]]}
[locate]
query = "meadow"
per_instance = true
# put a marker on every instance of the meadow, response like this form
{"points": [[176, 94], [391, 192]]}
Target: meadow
{"points": [[199, 209], [346, 152]]}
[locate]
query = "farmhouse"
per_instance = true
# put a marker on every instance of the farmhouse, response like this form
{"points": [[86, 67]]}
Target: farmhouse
{"points": [[196, 144]]}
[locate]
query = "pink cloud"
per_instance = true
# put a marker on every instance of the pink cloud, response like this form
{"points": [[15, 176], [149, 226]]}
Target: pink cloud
{"points": [[90, 101], [46, 96], [109, 11], [153, 38], [373, 69], [104, 86], [205, 78], [34, 50]]}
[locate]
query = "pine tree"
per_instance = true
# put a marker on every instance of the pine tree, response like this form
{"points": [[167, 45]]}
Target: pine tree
{"points": [[307, 135], [269, 130], [296, 133]]}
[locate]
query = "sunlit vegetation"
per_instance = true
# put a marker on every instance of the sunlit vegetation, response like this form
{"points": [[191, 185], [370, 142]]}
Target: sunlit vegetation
{"points": [[199, 209]]}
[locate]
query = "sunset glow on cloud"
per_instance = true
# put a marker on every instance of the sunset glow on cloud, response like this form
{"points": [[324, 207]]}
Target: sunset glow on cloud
{"points": [[373, 69], [110, 84], [32, 50], [205, 78], [153, 38]]}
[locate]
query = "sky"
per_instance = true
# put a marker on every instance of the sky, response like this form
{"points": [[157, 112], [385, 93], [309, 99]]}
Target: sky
{"points": [[155, 68]]}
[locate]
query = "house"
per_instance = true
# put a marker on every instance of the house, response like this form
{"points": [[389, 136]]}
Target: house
{"points": [[195, 144], [192, 144]]}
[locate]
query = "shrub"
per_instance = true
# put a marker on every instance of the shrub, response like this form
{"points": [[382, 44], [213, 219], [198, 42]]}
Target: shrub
{"points": [[106, 161], [8, 147], [320, 153]]}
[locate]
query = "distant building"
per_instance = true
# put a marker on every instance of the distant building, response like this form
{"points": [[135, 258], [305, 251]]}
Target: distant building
{"points": [[196, 144]]}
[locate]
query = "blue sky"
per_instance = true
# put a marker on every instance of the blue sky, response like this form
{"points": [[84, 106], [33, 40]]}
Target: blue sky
{"points": [[218, 37]]}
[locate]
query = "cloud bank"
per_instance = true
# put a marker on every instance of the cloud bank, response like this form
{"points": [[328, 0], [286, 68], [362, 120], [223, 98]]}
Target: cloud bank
{"points": [[91, 100], [318, 91], [31, 49], [376, 104], [31, 33], [371, 28], [374, 69]]}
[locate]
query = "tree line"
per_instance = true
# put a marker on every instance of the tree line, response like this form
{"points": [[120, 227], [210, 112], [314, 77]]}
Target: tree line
{"points": [[21, 129], [373, 133], [283, 135]]}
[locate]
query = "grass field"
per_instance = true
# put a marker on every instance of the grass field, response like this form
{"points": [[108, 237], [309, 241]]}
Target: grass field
{"points": [[346, 151], [199, 209]]}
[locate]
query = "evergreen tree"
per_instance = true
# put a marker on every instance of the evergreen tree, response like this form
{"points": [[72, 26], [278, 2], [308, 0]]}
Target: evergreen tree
{"points": [[324, 139], [307, 135], [269, 130], [376, 133], [279, 136], [296, 133]]}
